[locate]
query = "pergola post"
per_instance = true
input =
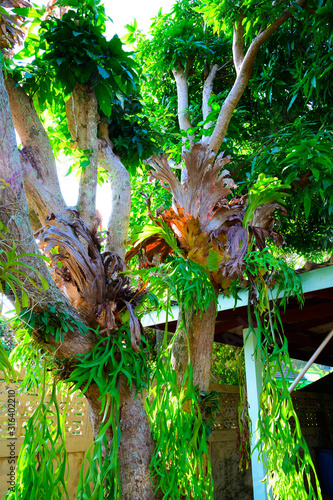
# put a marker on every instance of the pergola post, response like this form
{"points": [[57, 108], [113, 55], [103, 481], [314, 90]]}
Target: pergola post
{"points": [[253, 369]]}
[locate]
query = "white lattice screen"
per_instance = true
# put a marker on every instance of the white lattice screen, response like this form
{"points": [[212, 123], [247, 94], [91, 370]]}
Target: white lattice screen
{"points": [[308, 406], [76, 418]]}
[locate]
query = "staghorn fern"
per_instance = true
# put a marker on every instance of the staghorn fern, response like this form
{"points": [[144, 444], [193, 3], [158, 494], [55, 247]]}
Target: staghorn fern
{"points": [[92, 281], [11, 30], [209, 226]]}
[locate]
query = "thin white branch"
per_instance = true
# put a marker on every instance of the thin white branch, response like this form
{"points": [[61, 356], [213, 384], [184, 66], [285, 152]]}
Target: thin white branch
{"points": [[243, 77], [184, 121], [121, 198], [207, 92]]}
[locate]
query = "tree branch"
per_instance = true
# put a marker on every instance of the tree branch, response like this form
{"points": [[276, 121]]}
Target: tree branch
{"points": [[243, 77], [15, 215], [70, 117], [37, 159], [181, 76], [237, 43], [207, 92], [86, 119], [121, 198]]}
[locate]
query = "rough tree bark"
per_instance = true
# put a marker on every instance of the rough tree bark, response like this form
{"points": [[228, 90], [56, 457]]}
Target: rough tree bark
{"points": [[200, 330], [137, 447], [37, 159], [85, 121], [134, 454], [121, 198], [15, 215]]}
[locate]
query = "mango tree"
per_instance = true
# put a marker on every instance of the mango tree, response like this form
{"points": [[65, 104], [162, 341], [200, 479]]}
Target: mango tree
{"points": [[86, 318]]}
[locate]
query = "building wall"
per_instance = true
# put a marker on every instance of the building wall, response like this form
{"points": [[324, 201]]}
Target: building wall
{"points": [[229, 482]]}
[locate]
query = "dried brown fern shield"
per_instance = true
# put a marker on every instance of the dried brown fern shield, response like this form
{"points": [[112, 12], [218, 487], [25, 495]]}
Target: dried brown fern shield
{"points": [[92, 281], [206, 219], [11, 31]]}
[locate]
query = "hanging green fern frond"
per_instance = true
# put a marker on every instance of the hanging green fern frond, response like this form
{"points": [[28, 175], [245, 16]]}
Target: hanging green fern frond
{"points": [[281, 445]]}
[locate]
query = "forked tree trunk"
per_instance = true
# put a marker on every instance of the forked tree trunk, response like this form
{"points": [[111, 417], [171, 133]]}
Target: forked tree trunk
{"points": [[200, 331]]}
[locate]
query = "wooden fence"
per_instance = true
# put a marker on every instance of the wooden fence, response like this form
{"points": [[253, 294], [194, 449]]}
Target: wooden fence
{"points": [[16, 409]]}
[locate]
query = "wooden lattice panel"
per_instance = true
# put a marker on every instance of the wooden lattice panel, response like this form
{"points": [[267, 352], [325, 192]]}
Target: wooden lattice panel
{"points": [[76, 423], [229, 400], [307, 406], [78, 430], [76, 417]]}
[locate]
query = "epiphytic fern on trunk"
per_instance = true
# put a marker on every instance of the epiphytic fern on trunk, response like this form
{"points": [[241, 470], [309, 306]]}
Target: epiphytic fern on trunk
{"points": [[91, 280]]}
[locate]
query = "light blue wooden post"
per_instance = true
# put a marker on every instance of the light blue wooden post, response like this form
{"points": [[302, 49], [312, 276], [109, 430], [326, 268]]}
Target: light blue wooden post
{"points": [[253, 369]]}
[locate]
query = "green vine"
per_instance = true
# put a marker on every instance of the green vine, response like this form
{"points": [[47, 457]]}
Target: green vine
{"points": [[180, 463], [182, 417], [42, 465], [282, 447], [244, 429]]}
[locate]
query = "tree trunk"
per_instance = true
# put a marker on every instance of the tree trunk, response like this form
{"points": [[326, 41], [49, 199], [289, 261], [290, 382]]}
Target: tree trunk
{"points": [[36, 160], [86, 121], [201, 337], [121, 198], [136, 445]]}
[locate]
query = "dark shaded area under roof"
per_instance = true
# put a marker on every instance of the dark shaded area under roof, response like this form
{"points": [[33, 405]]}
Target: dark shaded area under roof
{"points": [[305, 328]]}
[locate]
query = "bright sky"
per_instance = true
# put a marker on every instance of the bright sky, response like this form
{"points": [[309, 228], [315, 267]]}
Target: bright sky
{"points": [[127, 10]]}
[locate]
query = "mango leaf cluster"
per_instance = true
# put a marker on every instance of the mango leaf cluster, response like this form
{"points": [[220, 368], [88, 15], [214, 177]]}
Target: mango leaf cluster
{"points": [[300, 153], [79, 54], [255, 16], [180, 35], [74, 51], [298, 59], [134, 136]]}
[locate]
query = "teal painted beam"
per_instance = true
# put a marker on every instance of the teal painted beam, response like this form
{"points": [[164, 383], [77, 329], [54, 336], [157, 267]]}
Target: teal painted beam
{"points": [[318, 279], [253, 369]]}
